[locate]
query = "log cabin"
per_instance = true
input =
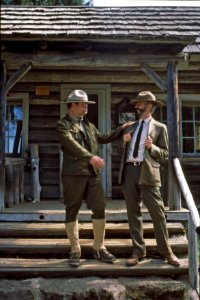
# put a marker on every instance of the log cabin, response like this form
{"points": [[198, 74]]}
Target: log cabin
{"points": [[110, 53]]}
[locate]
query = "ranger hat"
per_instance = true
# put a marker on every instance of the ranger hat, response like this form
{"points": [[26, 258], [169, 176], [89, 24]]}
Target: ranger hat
{"points": [[146, 96], [78, 96]]}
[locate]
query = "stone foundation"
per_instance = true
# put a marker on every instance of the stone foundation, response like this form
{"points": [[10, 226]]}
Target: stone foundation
{"points": [[94, 288]]}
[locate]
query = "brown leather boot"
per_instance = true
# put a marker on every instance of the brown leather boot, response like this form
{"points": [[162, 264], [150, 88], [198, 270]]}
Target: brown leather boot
{"points": [[134, 260], [172, 260]]}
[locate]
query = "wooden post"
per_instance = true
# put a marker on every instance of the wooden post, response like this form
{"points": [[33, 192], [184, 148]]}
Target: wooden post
{"points": [[193, 253], [21, 184], [174, 193], [10, 186], [2, 132], [35, 181]]}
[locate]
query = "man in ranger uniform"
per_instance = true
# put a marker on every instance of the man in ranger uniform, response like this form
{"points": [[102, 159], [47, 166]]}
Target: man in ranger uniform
{"points": [[79, 140]]}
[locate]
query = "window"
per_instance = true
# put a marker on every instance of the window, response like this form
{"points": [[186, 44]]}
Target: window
{"points": [[17, 116], [191, 129], [14, 117]]}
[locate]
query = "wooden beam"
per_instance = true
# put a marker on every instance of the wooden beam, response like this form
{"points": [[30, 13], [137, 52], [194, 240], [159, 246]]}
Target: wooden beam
{"points": [[173, 121], [2, 132], [35, 180], [82, 59], [154, 77], [18, 75]]}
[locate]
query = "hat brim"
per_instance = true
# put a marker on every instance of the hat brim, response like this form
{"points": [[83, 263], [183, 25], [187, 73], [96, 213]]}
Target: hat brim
{"points": [[155, 102], [77, 101]]}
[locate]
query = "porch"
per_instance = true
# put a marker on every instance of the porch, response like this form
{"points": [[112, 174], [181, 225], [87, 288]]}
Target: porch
{"points": [[33, 242]]}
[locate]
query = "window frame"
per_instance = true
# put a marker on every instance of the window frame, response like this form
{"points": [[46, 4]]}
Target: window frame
{"points": [[21, 99], [191, 104], [189, 100]]}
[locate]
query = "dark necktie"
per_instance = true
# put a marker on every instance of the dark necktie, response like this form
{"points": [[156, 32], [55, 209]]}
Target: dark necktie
{"points": [[137, 142]]}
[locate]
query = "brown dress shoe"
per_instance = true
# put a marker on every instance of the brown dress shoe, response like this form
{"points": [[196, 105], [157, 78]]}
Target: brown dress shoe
{"points": [[173, 260], [134, 260]]}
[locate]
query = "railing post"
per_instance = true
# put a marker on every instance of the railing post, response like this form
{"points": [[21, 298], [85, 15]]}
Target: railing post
{"points": [[174, 193], [2, 132], [193, 253]]}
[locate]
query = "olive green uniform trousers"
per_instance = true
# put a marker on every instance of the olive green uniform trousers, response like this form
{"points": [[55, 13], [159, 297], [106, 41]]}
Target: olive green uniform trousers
{"points": [[84, 187], [134, 194]]}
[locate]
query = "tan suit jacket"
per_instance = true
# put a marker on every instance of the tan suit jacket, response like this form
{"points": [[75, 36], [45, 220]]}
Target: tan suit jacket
{"points": [[150, 171]]}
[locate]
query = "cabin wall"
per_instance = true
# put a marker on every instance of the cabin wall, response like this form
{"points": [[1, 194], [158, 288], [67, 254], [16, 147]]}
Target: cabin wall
{"points": [[44, 111]]}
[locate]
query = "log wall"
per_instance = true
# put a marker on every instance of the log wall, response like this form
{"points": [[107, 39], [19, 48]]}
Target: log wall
{"points": [[44, 110]]}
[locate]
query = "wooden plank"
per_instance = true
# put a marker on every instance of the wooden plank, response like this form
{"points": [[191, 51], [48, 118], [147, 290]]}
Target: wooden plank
{"points": [[59, 267], [84, 216], [21, 184], [10, 186], [44, 102], [16, 184], [94, 77], [154, 77], [13, 229], [77, 59], [2, 131], [173, 121], [18, 75], [57, 246]]}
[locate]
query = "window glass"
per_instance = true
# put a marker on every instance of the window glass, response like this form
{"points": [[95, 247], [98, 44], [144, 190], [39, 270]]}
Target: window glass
{"points": [[188, 145], [188, 129], [14, 116], [197, 136], [187, 113], [197, 114]]}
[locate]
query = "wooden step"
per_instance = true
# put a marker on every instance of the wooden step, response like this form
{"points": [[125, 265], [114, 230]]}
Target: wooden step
{"points": [[119, 230], [119, 247], [24, 268]]}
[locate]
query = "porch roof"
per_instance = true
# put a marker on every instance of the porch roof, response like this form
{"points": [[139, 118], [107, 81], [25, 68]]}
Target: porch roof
{"points": [[152, 24]]}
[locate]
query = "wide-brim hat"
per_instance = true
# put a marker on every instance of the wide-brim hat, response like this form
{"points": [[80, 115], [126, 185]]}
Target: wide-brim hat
{"points": [[146, 96], [78, 96]]}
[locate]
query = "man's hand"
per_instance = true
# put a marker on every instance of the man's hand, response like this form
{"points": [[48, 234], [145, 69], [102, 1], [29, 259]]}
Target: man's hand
{"points": [[97, 162], [148, 143], [127, 124], [127, 137]]}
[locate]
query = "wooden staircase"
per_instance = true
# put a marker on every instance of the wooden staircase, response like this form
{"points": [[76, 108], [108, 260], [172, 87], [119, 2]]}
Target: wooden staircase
{"points": [[29, 249]]}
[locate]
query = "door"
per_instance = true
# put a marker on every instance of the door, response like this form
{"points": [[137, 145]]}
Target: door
{"points": [[100, 115]]}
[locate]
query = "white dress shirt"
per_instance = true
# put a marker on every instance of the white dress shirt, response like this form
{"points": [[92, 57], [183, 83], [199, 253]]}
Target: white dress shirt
{"points": [[143, 138]]}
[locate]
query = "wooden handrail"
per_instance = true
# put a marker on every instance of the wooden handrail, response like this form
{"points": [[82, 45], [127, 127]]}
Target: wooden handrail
{"points": [[187, 195], [193, 227]]}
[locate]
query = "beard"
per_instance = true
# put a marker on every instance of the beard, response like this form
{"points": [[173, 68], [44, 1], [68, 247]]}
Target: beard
{"points": [[139, 112]]}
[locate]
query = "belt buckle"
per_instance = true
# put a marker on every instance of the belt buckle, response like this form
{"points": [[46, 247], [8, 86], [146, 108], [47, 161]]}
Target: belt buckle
{"points": [[135, 163]]}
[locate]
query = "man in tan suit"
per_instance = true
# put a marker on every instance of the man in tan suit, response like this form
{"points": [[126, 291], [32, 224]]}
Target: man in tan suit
{"points": [[145, 148]]}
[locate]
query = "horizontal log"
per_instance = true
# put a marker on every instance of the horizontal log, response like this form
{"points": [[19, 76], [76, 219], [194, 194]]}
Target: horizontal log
{"points": [[115, 88], [36, 136], [44, 101], [20, 267], [95, 77], [40, 122], [120, 230], [80, 59], [9, 246], [44, 111]]}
